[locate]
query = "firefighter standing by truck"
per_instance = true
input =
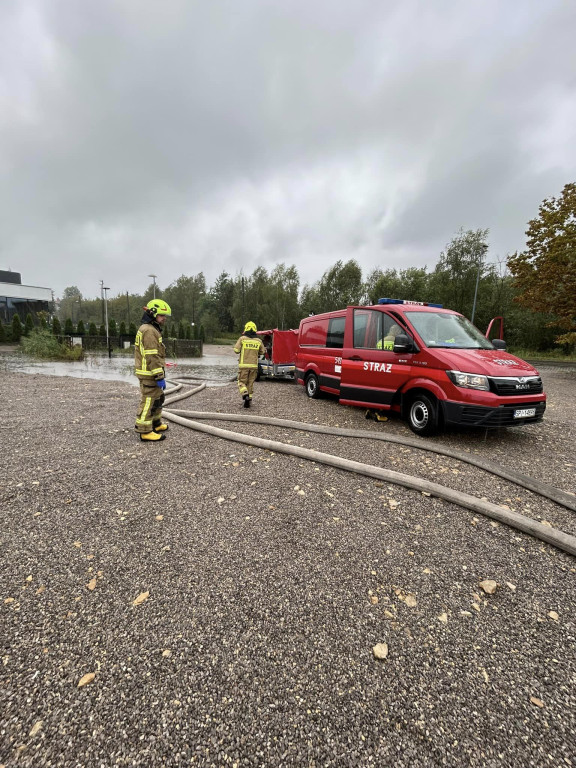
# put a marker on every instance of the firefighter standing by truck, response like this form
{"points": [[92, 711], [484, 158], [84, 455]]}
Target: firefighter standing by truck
{"points": [[249, 346], [149, 362]]}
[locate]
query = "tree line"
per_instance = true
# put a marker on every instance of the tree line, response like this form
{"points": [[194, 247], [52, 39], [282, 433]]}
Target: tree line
{"points": [[534, 291]]}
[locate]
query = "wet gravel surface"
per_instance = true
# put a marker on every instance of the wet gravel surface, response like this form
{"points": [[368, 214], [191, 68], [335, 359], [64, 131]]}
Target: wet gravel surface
{"points": [[269, 581]]}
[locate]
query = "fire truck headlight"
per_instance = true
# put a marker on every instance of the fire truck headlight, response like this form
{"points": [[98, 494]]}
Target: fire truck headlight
{"points": [[469, 380]]}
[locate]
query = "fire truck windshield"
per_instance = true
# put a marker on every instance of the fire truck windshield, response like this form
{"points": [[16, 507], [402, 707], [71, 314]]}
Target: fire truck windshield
{"points": [[449, 331]]}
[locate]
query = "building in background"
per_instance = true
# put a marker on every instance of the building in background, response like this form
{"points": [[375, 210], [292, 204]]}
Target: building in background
{"points": [[16, 298]]}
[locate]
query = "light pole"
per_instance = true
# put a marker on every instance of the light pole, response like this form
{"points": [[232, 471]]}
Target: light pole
{"points": [[154, 278], [102, 297], [105, 289], [483, 249]]}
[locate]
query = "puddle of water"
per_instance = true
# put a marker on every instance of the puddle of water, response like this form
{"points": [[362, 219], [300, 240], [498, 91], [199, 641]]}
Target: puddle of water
{"points": [[216, 370]]}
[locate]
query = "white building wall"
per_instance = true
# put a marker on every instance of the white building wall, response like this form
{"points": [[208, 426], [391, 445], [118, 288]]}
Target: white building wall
{"points": [[14, 291]]}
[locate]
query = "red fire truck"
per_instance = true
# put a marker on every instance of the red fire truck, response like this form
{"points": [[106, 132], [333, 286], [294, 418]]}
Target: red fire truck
{"points": [[427, 363]]}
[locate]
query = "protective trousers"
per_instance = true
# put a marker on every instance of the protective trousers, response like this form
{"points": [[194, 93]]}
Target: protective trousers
{"points": [[150, 408], [246, 379]]}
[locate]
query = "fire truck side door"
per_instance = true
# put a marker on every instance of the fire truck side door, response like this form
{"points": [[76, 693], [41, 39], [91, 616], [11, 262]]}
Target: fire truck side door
{"points": [[371, 372]]}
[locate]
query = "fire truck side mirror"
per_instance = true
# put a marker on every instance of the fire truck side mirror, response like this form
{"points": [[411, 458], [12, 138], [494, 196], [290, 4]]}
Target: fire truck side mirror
{"points": [[498, 343], [403, 343]]}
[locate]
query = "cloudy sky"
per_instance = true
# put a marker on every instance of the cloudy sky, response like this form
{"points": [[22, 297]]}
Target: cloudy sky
{"points": [[179, 136]]}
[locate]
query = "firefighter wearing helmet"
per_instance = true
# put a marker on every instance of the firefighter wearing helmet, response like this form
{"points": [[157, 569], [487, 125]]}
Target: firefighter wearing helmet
{"points": [[149, 362], [249, 347]]}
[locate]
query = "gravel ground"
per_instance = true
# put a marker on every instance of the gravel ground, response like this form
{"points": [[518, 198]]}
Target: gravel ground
{"points": [[269, 581]]}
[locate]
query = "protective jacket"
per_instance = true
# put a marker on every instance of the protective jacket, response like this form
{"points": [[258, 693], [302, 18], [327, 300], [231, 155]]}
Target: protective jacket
{"points": [[149, 351], [249, 348]]}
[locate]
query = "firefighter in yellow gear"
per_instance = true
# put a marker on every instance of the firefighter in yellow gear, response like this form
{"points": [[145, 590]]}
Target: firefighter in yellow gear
{"points": [[249, 346], [387, 342], [149, 363]]}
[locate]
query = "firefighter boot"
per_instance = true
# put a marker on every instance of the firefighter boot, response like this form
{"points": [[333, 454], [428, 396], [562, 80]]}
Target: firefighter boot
{"points": [[151, 437], [159, 427], [246, 401]]}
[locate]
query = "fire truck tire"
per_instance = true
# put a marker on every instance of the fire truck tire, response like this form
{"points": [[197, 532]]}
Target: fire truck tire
{"points": [[312, 386], [423, 415]]}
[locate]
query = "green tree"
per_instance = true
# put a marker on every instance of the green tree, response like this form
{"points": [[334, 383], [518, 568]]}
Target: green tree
{"points": [[43, 319], [221, 298], [80, 330], [185, 295], [92, 330], [68, 326], [461, 264], [132, 329], [2, 332], [112, 327], [56, 327], [545, 273], [28, 325], [181, 330], [17, 329], [70, 302], [339, 286], [122, 330], [102, 330]]}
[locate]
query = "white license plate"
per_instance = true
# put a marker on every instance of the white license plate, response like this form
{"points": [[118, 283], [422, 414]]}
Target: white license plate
{"points": [[524, 413]]}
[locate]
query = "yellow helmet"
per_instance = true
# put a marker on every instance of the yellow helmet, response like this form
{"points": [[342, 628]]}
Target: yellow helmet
{"points": [[250, 326], [158, 307]]}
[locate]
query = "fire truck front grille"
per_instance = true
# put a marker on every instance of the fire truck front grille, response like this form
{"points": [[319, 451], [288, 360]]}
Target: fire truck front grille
{"points": [[499, 417], [512, 386]]}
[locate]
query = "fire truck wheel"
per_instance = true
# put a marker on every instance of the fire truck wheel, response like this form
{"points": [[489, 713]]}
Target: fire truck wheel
{"points": [[312, 386], [423, 415]]}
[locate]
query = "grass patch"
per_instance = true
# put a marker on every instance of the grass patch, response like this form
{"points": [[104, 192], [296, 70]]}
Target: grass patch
{"points": [[42, 345], [549, 354]]}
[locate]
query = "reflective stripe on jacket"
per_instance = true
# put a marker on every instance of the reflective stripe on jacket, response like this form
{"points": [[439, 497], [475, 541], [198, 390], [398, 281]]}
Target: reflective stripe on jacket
{"points": [[249, 348], [149, 353]]}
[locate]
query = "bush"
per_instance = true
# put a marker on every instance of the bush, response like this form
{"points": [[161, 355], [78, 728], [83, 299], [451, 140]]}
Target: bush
{"points": [[132, 330], [16, 328], [92, 330], [112, 328], [102, 330], [80, 330], [28, 325], [44, 345], [56, 327], [122, 328], [68, 326], [2, 332]]}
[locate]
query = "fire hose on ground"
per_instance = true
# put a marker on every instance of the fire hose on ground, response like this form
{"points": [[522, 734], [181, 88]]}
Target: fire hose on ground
{"points": [[563, 541]]}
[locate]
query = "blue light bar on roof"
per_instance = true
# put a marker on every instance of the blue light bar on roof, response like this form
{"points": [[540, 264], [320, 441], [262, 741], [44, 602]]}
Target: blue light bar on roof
{"points": [[407, 301]]}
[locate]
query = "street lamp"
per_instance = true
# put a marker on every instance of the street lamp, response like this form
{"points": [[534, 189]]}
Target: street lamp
{"points": [[154, 278], [105, 289], [483, 249]]}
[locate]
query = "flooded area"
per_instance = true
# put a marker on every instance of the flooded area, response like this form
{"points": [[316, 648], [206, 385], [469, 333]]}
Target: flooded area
{"points": [[216, 369]]}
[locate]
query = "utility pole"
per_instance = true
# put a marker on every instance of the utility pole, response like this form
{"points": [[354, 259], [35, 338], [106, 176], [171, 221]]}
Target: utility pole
{"points": [[105, 289], [128, 309], [154, 289], [102, 298]]}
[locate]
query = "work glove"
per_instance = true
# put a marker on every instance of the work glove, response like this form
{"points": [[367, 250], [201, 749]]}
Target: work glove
{"points": [[161, 383]]}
